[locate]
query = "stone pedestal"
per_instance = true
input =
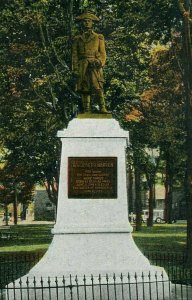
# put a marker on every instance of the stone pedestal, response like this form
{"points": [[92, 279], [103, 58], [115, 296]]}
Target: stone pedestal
{"points": [[92, 235]]}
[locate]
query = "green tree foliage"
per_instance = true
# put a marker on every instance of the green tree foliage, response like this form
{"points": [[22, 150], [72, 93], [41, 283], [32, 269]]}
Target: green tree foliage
{"points": [[37, 96], [140, 25], [185, 10], [164, 107], [15, 188]]}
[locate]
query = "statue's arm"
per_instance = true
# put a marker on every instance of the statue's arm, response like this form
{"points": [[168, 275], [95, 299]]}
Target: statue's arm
{"points": [[75, 60], [184, 9], [181, 6], [102, 52]]}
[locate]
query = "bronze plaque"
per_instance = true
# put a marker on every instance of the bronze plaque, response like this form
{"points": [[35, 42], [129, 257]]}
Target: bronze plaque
{"points": [[92, 177]]}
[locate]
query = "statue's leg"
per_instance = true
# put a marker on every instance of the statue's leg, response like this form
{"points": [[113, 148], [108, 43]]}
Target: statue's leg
{"points": [[86, 101], [101, 101]]}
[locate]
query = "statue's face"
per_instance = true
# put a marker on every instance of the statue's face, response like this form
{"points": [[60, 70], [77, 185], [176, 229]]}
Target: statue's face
{"points": [[87, 23]]}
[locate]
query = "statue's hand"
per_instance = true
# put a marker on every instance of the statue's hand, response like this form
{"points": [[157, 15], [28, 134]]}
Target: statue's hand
{"points": [[95, 63], [186, 13]]}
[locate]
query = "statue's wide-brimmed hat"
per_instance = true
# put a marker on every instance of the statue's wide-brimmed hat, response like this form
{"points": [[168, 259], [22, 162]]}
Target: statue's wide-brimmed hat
{"points": [[87, 15]]}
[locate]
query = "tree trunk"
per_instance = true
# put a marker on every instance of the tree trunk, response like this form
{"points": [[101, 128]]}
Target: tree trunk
{"points": [[185, 8], [188, 184], [166, 185], [170, 202], [52, 190], [6, 215], [138, 200], [151, 203], [130, 189], [15, 206], [68, 6], [168, 212]]}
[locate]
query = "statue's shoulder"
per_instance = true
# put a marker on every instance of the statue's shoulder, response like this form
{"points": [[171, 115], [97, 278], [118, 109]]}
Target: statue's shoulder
{"points": [[101, 36], [76, 37], [98, 35]]}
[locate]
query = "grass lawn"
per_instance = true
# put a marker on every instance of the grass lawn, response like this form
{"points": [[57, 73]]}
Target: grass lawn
{"points": [[30, 238], [170, 238], [163, 238]]}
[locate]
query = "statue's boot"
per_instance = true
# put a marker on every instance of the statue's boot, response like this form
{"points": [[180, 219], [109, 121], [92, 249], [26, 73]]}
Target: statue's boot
{"points": [[102, 106], [86, 104]]}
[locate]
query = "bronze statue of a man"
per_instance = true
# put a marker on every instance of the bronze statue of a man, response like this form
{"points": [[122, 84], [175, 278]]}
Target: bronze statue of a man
{"points": [[88, 59]]}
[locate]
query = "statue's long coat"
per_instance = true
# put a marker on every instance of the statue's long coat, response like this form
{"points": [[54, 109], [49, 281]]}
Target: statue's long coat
{"points": [[86, 48]]}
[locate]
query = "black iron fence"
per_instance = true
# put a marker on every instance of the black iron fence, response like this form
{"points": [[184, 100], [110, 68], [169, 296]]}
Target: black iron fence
{"points": [[121, 287], [13, 266], [174, 263], [148, 286]]}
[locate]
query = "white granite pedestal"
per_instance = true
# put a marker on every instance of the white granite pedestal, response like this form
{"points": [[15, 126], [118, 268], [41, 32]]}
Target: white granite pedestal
{"points": [[93, 235]]}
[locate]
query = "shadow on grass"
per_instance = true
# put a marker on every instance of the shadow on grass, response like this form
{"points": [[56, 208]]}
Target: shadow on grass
{"points": [[28, 235]]}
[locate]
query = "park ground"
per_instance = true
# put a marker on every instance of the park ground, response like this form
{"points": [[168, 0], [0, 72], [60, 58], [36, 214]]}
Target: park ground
{"points": [[37, 237]]}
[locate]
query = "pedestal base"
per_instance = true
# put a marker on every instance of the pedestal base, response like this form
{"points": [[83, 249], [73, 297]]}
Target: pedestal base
{"points": [[97, 263], [97, 253]]}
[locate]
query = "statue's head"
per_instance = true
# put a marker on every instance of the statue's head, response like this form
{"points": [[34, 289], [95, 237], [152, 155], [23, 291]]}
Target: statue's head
{"points": [[87, 19]]}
